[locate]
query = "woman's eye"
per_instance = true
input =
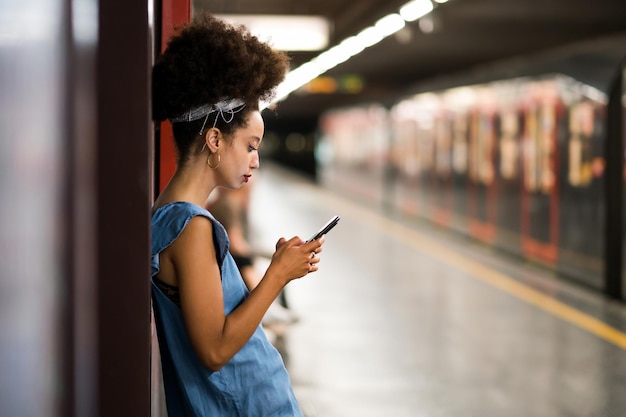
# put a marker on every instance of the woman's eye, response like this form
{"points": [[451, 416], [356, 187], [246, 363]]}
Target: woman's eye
{"points": [[252, 148]]}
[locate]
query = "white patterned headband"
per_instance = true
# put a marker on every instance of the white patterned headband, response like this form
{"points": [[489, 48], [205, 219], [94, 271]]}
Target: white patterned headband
{"points": [[223, 108]]}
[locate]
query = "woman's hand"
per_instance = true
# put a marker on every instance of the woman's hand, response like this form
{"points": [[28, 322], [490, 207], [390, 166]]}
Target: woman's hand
{"points": [[294, 258]]}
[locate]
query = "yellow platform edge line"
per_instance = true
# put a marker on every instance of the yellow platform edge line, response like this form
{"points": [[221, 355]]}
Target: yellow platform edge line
{"points": [[532, 296]]}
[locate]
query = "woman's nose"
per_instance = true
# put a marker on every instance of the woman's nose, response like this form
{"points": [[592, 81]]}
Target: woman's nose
{"points": [[256, 161]]}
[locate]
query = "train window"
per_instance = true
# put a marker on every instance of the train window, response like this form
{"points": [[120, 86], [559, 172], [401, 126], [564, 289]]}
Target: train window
{"points": [[530, 146], [539, 148], [482, 132], [581, 121], [426, 140], [547, 147], [443, 140], [460, 153], [509, 148], [405, 147]]}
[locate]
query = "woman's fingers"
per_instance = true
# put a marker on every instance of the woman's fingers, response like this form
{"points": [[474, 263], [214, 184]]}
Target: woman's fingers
{"points": [[313, 261]]}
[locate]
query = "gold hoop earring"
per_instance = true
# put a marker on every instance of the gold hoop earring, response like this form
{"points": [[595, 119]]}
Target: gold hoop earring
{"points": [[213, 165]]}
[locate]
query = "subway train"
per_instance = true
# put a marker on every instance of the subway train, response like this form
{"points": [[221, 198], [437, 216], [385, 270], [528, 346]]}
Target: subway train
{"points": [[525, 155]]}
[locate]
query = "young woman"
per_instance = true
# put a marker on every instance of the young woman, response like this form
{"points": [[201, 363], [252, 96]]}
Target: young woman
{"points": [[215, 357]]}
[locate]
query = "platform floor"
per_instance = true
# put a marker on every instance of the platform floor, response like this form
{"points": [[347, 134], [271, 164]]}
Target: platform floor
{"points": [[406, 320]]}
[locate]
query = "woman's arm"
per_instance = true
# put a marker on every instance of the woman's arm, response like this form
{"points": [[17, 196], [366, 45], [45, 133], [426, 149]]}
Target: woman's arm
{"points": [[215, 337]]}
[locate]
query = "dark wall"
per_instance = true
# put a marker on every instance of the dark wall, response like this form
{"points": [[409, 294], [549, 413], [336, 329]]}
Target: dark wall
{"points": [[74, 209]]}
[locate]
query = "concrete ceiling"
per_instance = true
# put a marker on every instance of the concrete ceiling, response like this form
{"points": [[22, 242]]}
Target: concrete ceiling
{"points": [[467, 34]]}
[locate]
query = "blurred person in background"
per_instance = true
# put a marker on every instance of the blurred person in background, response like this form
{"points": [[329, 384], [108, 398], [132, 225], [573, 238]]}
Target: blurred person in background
{"points": [[230, 208]]}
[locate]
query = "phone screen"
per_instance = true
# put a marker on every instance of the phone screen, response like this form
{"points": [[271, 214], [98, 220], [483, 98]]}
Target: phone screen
{"points": [[325, 229]]}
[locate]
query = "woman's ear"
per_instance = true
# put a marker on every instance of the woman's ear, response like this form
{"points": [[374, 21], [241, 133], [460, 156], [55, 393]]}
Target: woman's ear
{"points": [[212, 139]]}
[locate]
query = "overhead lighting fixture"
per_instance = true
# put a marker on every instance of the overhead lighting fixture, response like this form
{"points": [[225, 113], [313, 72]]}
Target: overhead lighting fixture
{"points": [[352, 46], [369, 36], [285, 32], [349, 47], [415, 9], [389, 24]]}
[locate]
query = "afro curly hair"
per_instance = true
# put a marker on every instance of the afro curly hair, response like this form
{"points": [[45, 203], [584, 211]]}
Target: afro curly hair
{"points": [[209, 60]]}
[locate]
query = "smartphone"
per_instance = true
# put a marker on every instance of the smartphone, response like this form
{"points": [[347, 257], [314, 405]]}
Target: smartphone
{"points": [[331, 223]]}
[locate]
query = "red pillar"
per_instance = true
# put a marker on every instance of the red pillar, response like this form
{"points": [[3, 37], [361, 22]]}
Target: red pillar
{"points": [[174, 14]]}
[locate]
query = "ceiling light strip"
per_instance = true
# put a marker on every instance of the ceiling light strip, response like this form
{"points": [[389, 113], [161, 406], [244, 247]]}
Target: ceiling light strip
{"points": [[352, 46]]}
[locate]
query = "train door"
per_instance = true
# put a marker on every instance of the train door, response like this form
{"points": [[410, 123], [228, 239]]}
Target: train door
{"points": [[426, 107], [540, 194], [460, 167], [508, 165], [582, 193], [622, 129], [482, 186], [442, 178], [403, 155]]}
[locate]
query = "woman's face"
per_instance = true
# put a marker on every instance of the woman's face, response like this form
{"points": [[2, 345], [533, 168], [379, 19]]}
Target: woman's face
{"points": [[241, 156]]}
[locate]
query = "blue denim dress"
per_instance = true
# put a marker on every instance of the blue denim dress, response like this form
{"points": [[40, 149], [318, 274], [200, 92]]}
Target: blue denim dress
{"points": [[254, 382]]}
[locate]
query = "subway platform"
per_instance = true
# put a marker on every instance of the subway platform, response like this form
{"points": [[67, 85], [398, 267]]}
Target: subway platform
{"points": [[406, 320]]}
